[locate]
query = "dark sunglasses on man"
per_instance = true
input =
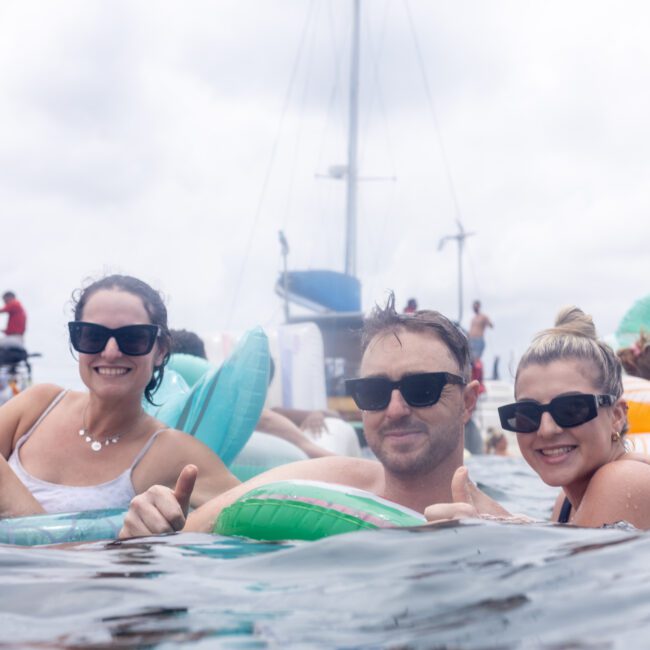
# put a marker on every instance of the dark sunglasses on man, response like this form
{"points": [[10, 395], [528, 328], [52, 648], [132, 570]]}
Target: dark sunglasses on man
{"points": [[567, 411], [418, 390], [132, 340]]}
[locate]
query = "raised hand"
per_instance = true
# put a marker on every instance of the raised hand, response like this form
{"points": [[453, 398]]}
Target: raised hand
{"points": [[160, 509], [468, 501]]}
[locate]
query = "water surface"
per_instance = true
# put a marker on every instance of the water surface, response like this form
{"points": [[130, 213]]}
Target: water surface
{"points": [[467, 585]]}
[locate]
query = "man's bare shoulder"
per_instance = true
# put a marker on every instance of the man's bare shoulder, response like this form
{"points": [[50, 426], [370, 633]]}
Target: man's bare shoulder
{"points": [[356, 472]]}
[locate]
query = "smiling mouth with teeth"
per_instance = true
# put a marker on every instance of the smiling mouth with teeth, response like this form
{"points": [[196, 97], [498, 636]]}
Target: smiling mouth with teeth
{"points": [[557, 451], [113, 372]]}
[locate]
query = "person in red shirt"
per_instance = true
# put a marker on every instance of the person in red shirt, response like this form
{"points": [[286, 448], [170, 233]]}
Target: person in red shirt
{"points": [[17, 319]]}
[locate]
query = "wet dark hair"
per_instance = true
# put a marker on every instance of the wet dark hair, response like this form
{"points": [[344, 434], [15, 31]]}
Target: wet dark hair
{"points": [[8, 295], [186, 342], [153, 304], [386, 320]]}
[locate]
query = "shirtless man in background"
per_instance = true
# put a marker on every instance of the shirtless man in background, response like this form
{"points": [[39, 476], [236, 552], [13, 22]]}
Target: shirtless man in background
{"points": [[476, 333]]}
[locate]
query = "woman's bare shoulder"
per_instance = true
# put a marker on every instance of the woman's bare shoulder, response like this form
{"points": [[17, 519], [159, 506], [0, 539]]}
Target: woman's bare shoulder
{"points": [[22, 411], [621, 476], [631, 465], [40, 392], [33, 401], [618, 491]]}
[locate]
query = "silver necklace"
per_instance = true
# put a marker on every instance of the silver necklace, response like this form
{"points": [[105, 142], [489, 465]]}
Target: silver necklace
{"points": [[96, 445]]}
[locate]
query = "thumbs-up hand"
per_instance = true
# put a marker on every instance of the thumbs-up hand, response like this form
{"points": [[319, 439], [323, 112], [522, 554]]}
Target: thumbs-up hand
{"points": [[184, 486], [160, 509], [468, 501]]}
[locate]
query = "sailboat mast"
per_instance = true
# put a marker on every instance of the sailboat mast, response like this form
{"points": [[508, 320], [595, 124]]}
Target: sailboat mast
{"points": [[352, 172]]}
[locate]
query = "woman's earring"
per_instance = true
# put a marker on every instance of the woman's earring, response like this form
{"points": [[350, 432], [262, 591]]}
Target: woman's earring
{"points": [[616, 436]]}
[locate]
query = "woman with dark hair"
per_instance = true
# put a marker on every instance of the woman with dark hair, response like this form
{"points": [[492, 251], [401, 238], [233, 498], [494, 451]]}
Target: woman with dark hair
{"points": [[81, 451]]}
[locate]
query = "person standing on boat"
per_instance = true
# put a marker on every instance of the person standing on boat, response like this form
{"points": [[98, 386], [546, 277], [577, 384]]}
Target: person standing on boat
{"points": [[479, 323], [415, 394], [17, 321], [411, 306], [64, 451]]}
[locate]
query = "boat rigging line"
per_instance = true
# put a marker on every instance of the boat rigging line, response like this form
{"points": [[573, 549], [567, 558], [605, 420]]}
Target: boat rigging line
{"points": [[436, 123], [267, 176]]}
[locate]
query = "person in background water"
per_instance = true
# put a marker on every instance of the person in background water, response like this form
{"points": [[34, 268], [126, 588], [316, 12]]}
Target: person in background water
{"points": [[186, 342], [497, 443], [411, 306], [570, 420], [65, 451], [636, 358], [636, 386], [476, 333], [17, 321]]}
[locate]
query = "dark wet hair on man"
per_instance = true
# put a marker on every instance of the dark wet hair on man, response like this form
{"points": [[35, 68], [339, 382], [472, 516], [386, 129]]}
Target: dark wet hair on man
{"points": [[387, 320], [187, 342], [153, 304], [8, 295]]}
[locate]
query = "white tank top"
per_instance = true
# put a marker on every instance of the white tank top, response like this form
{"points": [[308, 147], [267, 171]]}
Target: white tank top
{"points": [[72, 498]]}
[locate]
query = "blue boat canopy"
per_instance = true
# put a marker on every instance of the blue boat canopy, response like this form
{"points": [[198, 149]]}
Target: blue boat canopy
{"points": [[322, 291]]}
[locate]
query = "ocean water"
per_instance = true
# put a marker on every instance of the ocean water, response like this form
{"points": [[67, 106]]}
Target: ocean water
{"points": [[462, 585]]}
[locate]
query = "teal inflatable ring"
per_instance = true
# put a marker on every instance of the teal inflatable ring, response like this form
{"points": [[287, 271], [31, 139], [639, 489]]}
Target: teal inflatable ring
{"points": [[37, 530], [310, 510]]}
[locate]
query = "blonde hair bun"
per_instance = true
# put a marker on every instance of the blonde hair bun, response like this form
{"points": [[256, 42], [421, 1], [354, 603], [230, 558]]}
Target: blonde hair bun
{"points": [[574, 337], [572, 320]]}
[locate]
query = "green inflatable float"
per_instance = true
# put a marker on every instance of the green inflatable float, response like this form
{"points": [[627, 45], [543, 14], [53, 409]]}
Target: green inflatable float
{"points": [[310, 510]]}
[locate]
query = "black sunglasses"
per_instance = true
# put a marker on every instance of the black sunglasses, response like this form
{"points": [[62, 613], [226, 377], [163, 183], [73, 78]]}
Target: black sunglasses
{"points": [[134, 340], [418, 390], [566, 410]]}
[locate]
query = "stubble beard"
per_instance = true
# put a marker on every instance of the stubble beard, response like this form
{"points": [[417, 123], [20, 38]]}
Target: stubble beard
{"points": [[422, 460]]}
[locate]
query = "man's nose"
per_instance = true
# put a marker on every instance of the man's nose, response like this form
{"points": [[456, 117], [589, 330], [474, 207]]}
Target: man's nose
{"points": [[397, 407]]}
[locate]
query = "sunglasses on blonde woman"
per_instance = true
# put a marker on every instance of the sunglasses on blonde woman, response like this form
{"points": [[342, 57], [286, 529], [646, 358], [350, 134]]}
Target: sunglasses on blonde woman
{"points": [[567, 411]]}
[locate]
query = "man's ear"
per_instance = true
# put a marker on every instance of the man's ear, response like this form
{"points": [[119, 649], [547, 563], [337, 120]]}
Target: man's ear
{"points": [[470, 397]]}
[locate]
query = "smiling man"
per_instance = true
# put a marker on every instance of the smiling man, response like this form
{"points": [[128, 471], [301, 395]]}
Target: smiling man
{"points": [[415, 395]]}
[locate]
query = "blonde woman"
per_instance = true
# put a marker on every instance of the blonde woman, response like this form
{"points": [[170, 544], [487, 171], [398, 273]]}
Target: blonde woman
{"points": [[570, 419]]}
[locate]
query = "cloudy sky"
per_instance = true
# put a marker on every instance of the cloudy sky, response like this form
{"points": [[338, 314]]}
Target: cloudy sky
{"points": [[172, 140]]}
